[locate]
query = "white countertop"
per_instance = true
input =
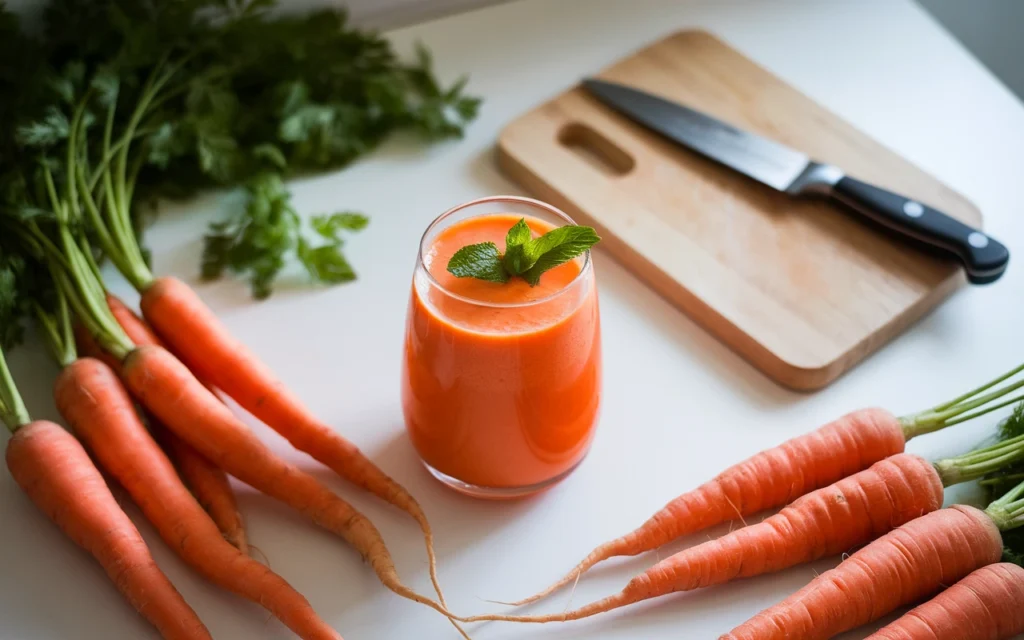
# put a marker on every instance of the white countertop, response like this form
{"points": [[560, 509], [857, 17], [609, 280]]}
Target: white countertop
{"points": [[678, 407]]}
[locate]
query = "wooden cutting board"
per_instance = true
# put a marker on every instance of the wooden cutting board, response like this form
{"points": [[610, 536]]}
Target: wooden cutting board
{"points": [[802, 289]]}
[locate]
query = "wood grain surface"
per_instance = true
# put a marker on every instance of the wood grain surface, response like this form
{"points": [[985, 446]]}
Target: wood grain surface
{"points": [[802, 289]]}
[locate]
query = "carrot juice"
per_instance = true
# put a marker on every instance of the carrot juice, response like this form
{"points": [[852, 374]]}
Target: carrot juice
{"points": [[501, 381]]}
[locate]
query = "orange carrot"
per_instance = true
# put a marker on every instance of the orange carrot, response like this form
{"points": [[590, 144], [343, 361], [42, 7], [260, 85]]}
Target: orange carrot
{"points": [[778, 475], [90, 396], [197, 336], [767, 480], [55, 472], [208, 484], [903, 566], [826, 522], [166, 388], [169, 390], [986, 605]]}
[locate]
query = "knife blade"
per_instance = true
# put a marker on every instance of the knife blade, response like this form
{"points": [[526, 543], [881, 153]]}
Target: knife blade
{"points": [[790, 171]]}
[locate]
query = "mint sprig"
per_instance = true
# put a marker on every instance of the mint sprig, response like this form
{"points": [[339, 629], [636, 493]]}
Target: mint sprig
{"points": [[525, 256]]}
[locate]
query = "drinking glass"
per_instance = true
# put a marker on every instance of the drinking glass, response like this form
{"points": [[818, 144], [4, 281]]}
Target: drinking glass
{"points": [[501, 382]]}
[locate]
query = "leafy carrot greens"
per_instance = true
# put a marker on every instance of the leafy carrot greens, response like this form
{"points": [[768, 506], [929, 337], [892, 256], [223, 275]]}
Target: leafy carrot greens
{"points": [[1000, 483], [162, 99]]}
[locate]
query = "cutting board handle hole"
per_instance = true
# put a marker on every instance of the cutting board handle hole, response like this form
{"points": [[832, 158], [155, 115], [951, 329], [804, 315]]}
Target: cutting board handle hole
{"points": [[595, 149]]}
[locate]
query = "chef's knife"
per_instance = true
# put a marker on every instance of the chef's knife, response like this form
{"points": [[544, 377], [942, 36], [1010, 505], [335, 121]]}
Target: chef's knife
{"points": [[795, 173]]}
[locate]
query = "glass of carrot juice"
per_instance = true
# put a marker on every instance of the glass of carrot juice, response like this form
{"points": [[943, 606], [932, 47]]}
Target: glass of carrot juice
{"points": [[501, 381]]}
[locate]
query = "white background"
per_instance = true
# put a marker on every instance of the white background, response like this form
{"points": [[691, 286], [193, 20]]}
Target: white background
{"points": [[679, 407]]}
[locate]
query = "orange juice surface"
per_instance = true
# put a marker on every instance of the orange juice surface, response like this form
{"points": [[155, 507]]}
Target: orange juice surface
{"points": [[501, 387]]}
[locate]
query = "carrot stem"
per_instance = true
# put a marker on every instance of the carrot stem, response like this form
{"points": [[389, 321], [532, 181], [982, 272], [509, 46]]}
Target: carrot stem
{"points": [[970, 394], [1008, 511], [980, 462], [123, 186], [971, 416], [969, 403], [86, 296], [71, 185], [57, 329], [12, 407], [988, 482]]}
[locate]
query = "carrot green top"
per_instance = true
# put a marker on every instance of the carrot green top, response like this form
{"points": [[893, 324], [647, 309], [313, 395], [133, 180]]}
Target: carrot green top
{"points": [[12, 409], [525, 256]]}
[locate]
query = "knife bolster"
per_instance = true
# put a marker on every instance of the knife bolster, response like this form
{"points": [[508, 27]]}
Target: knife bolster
{"points": [[816, 179]]}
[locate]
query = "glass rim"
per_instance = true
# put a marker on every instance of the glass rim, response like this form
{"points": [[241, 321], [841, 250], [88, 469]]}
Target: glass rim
{"points": [[521, 200]]}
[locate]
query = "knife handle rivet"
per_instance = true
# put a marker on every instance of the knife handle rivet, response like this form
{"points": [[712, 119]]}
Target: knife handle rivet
{"points": [[913, 209], [977, 240]]}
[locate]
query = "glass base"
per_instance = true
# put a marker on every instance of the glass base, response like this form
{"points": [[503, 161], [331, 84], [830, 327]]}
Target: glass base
{"points": [[499, 493]]}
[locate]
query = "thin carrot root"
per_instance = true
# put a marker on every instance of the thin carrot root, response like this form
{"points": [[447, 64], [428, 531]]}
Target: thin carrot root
{"points": [[904, 566], [767, 480], [826, 522], [986, 605], [91, 398], [209, 484], [195, 335], [57, 475], [169, 390]]}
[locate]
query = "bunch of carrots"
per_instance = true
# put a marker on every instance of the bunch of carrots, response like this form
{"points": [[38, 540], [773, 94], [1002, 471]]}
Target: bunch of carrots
{"points": [[141, 395], [847, 484]]}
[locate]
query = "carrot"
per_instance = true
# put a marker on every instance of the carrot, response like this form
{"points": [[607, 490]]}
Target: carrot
{"points": [[829, 521], [90, 396], [169, 390], [767, 480], [57, 475], [777, 476], [195, 334], [209, 484], [904, 566], [986, 605], [847, 514]]}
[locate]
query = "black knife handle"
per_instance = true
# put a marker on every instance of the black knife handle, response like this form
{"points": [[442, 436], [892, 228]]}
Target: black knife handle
{"points": [[983, 257]]}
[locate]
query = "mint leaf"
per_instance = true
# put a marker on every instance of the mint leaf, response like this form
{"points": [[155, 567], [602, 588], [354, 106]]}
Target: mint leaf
{"points": [[525, 256], [518, 234], [556, 247], [481, 261]]}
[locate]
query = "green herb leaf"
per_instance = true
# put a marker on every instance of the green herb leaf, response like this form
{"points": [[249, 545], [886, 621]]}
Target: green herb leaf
{"points": [[557, 247], [519, 234], [524, 256], [481, 261], [1002, 481], [1013, 425], [258, 239], [328, 226], [270, 153], [107, 85], [228, 90], [167, 143], [325, 264], [48, 131], [219, 155]]}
